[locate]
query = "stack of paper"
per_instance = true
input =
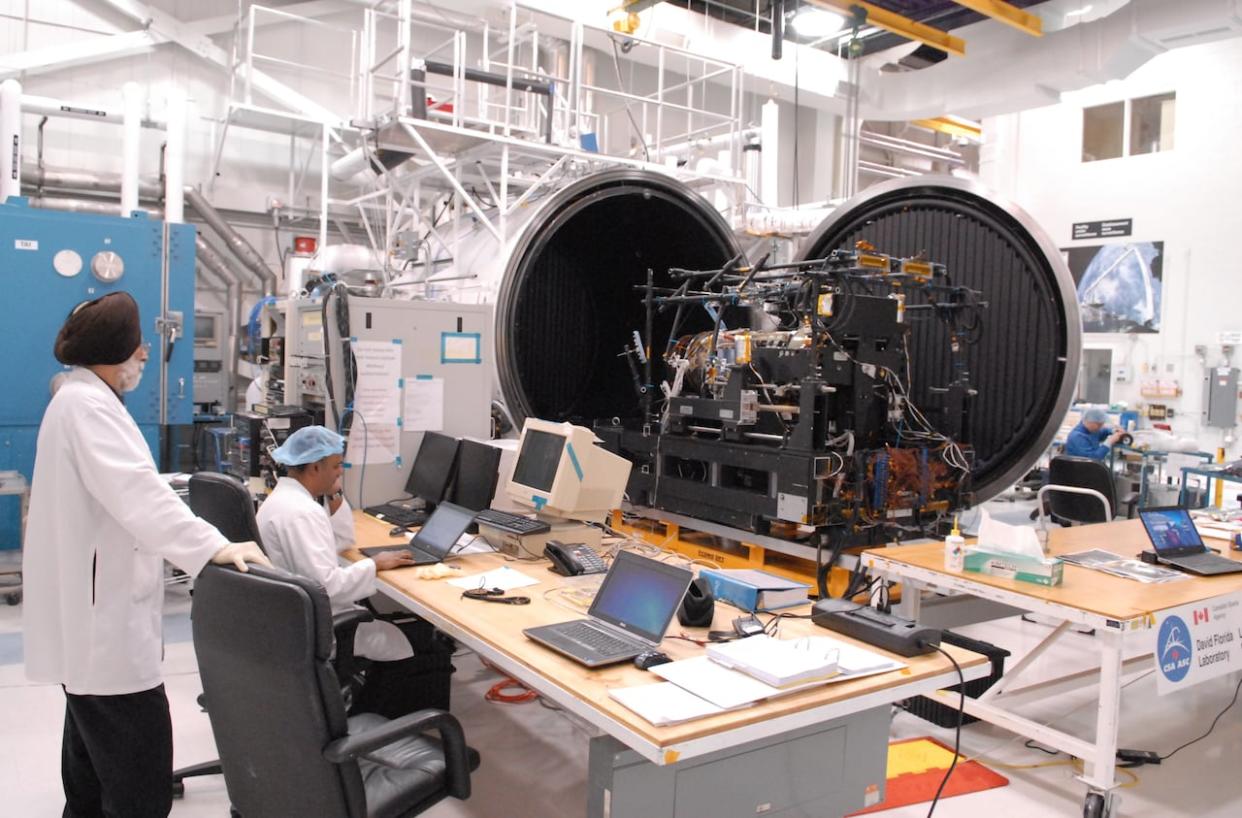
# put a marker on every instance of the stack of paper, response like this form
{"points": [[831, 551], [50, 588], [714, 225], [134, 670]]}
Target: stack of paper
{"points": [[703, 687], [776, 662], [664, 703]]}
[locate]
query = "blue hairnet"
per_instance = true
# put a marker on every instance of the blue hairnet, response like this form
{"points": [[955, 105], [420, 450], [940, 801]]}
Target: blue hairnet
{"points": [[1095, 415], [309, 444]]}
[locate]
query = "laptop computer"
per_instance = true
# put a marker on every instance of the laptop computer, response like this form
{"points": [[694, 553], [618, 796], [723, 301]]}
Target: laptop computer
{"points": [[436, 538], [629, 615], [1177, 542], [428, 482]]}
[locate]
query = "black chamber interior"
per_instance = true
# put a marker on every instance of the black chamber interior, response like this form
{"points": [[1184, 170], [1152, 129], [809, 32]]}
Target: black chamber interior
{"points": [[1018, 365], [575, 307]]}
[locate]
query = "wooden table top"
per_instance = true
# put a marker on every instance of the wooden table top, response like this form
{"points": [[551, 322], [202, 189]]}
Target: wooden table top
{"points": [[500, 628], [1083, 588]]}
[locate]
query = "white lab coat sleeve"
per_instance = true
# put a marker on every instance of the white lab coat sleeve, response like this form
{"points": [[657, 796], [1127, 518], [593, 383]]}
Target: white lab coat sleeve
{"points": [[344, 584], [343, 527], [120, 475]]}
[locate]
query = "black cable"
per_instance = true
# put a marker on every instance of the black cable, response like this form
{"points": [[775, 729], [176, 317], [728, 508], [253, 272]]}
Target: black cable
{"points": [[957, 738], [616, 62], [1232, 702]]}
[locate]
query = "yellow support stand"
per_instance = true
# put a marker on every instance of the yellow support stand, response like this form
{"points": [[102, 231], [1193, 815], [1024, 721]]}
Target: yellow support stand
{"points": [[706, 549]]}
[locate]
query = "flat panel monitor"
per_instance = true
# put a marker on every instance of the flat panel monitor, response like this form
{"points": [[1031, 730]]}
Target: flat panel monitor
{"points": [[563, 474], [432, 471], [478, 471]]}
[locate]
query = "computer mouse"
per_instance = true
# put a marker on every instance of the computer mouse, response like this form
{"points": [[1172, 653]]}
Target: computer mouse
{"points": [[397, 531], [649, 659]]}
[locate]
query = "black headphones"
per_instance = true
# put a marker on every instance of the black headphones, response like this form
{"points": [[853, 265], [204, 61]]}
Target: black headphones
{"points": [[698, 606]]}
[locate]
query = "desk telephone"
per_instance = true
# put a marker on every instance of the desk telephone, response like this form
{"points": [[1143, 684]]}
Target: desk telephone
{"points": [[573, 559]]}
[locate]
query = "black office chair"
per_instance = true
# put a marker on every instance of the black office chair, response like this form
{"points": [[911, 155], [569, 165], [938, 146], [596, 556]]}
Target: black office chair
{"points": [[264, 643], [1083, 509], [226, 504]]}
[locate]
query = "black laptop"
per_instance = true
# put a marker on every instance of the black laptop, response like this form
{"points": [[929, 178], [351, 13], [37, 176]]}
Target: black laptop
{"points": [[1177, 542], [436, 538], [630, 613]]}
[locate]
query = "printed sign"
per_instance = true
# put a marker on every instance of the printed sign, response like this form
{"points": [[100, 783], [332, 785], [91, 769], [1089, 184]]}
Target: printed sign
{"points": [[1198, 642], [1107, 229]]}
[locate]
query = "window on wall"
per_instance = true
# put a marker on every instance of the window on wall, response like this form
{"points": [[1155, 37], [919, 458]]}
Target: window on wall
{"points": [[1151, 124], [1103, 131], [1128, 128]]}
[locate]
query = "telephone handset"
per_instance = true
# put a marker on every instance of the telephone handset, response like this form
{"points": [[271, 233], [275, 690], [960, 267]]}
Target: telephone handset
{"points": [[573, 559]]}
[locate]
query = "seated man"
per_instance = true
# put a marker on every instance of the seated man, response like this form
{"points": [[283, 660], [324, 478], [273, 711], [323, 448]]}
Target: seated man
{"points": [[303, 537], [1092, 437]]}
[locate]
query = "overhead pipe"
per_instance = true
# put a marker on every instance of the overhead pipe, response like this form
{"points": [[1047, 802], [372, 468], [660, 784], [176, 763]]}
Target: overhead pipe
{"points": [[86, 206], [10, 139], [243, 249], [84, 181], [910, 148], [48, 106]]}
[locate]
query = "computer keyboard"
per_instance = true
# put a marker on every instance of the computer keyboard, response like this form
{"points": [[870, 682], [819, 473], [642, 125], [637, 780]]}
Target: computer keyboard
{"points": [[513, 523], [595, 639], [398, 516]]}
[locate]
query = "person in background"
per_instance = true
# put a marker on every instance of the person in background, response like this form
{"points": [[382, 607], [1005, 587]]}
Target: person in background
{"points": [[1092, 437], [101, 523], [304, 538]]}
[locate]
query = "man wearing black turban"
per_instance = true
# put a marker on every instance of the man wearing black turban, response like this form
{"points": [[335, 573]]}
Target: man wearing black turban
{"points": [[101, 523]]}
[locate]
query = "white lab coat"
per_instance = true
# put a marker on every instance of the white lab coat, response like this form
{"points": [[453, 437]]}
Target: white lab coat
{"points": [[101, 523], [300, 537]]}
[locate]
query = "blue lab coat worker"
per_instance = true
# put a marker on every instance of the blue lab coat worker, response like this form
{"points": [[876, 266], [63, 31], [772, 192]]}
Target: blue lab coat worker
{"points": [[1091, 437]]}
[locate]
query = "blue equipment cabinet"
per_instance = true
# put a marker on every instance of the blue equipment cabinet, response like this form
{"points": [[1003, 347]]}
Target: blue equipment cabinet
{"points": [[50, 261]]}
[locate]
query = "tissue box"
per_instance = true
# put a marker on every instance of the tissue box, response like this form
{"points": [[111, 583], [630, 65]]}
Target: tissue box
{"points": [[1014, 566]]}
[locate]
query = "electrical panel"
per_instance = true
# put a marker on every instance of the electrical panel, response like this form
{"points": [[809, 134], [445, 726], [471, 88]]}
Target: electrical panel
{"points": [[1220, 397]]}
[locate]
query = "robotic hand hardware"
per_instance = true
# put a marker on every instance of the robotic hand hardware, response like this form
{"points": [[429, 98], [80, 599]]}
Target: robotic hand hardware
{"points": [[809, 420]]}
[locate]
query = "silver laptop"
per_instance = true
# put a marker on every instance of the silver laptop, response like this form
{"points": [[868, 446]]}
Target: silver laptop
{"points": [[436, 538], [1177, 542], [629, 615]]}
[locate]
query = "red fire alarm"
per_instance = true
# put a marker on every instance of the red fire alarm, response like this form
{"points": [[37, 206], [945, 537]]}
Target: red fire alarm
{"points": [[304, 245]]}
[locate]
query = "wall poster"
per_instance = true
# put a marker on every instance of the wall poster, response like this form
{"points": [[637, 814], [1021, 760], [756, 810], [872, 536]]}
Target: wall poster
{"points": [[1120, 286]]}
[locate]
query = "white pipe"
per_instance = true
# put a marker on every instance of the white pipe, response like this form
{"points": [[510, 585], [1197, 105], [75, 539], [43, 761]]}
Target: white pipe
{"points": [[174, 159], [49, 106], [130, 146], [10, 139], [769, 171]]}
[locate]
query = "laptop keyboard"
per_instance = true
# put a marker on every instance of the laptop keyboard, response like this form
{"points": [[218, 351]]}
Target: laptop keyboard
{"points": [[595, 639]]}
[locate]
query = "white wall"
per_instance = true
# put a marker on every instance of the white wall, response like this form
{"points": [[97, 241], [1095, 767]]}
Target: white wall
{"points": [[1187, 198]]}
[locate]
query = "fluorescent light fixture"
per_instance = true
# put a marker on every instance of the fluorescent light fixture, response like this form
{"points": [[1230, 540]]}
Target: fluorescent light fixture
{"points": [[1078, 12], [809, 21]]}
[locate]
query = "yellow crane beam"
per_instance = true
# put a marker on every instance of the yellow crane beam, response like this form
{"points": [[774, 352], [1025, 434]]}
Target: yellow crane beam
{"points": [[900, 25], [952, 126], [1007, 13]]}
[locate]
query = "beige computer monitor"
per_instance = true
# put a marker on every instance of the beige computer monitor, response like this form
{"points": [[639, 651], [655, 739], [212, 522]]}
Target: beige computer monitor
{"points": [[562, 474]]}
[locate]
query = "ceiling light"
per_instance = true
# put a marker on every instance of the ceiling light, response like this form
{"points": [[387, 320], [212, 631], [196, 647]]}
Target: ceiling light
{"points": [[815, 22], [1078, 12]]}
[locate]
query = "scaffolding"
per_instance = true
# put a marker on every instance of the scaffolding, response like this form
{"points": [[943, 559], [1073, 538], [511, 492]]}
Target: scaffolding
{"points": [[478, 121]]}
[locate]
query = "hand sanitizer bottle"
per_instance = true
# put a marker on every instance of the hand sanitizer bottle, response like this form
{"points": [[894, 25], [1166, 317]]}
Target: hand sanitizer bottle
{"points": [[954, 550]]}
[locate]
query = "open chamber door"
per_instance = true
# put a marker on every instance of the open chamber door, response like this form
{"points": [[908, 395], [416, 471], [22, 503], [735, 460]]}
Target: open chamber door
{"points": [[570, 301]]}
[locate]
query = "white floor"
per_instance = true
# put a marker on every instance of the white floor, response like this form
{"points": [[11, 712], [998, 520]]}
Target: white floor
{"points": [[534, 758]]}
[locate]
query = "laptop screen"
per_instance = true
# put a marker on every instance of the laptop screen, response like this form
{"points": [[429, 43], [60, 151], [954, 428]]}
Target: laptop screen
{"points": [[640, 595], [442, 529], [1170, 529]]}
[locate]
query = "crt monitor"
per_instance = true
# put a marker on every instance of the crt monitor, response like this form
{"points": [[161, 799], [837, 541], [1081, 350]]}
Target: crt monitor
{"points": [[433, 467], [562, 474], [207, 329]]}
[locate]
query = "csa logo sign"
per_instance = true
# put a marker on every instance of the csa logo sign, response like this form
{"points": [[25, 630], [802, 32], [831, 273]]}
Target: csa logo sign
{"points": [[1174, 644]]}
